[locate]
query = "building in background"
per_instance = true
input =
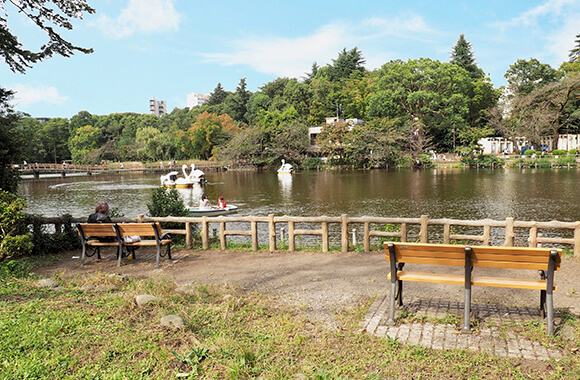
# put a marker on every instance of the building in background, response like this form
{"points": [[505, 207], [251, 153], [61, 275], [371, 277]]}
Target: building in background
{"points": [[157, 107], [196, 99]]}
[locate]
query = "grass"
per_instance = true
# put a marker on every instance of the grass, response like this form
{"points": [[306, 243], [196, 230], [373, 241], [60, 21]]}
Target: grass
{"points": [[70, 333]]}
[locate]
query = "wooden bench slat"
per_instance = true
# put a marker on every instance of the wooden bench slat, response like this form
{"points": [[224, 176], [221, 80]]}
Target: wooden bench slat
{"points": [[431, 261], [430, 277], [503, 282]]}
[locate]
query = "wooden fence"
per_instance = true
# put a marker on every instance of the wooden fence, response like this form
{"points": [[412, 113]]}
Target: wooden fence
{"points": [[506, 232]]}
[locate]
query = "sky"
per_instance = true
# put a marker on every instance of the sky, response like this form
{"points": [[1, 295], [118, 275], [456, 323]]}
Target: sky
{"points": [[168, 49]]}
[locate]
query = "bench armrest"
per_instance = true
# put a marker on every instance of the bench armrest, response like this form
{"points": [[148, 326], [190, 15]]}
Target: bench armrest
{"points": [[165, 235]]}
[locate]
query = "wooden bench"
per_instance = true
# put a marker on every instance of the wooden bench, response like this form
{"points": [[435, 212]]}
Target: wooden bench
{"points": [[544, 260], [91, 233], [150, 234]]}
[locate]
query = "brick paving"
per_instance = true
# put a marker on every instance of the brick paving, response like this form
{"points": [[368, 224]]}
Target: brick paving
{"points": [[434, 324]]}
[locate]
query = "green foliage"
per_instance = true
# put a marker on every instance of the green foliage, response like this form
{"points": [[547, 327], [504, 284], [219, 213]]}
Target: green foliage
{"points": [[566, 161], [166, 202], [47, 243], [48, 16], [529, 152], [312, 163], [482, 161], [14, 241], [559, 152]]}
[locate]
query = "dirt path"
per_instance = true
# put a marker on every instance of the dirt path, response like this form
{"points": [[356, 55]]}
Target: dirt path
{"points": [[322, 282]]}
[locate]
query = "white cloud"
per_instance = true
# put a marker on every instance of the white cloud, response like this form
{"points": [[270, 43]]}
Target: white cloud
{"points": [[26, 95], [141, 16], [550, 7], [291, 57]]}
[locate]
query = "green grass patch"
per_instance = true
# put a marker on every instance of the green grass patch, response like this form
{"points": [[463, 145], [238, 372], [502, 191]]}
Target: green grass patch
{"points": [[71, 333]]}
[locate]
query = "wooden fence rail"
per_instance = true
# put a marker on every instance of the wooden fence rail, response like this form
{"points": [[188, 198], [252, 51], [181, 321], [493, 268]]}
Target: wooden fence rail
{"points": [[420, 229]]}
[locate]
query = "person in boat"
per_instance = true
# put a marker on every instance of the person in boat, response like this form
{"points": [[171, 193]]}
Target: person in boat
{"points": [[221, 202], [204, 202], [101, 214]]}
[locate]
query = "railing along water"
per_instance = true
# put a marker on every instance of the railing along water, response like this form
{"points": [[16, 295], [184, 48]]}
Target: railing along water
{"points": [[422, 229]]}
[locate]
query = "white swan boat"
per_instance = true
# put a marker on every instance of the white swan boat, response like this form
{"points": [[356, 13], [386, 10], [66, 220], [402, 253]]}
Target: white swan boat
{"points": [[214, 211], [171, 179], [285, 168]]}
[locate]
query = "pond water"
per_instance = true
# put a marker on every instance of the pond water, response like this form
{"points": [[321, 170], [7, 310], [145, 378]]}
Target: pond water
{"points": [[528, 194]]}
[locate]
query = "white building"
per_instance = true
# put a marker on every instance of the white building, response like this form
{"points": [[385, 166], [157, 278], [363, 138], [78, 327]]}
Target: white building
{"points": [[196, 99], [157, 107], [496, 145], [313, 132]]}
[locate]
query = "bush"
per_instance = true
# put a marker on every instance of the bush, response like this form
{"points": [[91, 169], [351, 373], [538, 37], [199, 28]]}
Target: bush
{"points": [[312, 163], [572, 152], [566, 160], [46, 243], [559, 152], [167, 202], [483, 161], [529, 152], [14, 240]]}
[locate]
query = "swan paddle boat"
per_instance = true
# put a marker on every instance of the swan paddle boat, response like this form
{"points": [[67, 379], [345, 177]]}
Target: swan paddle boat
{"points": [[213, 211], [171, 179], [285, 168]]}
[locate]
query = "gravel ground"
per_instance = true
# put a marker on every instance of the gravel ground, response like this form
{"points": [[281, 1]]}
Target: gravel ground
{"points": [[322, 283]]}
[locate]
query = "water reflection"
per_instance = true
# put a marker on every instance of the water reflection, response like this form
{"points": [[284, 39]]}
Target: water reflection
{"points": [[191, 196], [440, 193]]}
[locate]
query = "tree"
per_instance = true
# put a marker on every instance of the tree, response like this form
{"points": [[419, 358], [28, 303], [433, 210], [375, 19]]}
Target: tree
{"points": [[462, 56], [525, 76], [575, 52], [346, 63], [84, 141], [430, 95], [45, 17], [217, 96], [332, 141], [208, 131], [10, 143], [55, 139], [237, 103], [377, 143]]}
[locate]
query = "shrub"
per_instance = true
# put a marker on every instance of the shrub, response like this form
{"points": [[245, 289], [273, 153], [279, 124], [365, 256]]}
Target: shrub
{"points": [[168, 202], [559, 152], [14, 241], [572, 152], [529, 152], [483, 161], [566, 160], [312, 163], [45, 243]]}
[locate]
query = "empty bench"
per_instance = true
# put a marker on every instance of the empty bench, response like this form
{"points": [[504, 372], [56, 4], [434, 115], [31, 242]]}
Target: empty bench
{"points": [[119, 235], [544, 260]]}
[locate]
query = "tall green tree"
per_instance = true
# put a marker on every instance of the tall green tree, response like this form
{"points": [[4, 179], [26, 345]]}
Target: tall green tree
{"points": [[55, 139], [524, 76], [48, 16], [84, 141], [218, 96], [347, 63], [10, 143], [428, 94], [462, 55], [237, 103]]}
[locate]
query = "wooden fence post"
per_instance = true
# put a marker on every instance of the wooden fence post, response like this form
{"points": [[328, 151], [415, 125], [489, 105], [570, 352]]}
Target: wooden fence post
{"points": [[325, 238], [509, 232], [447, 233], [533, 239], [291, 247], [403, 232], [577, 240], [254, 231], [424, 233], [188, 238], [223, 243], [367, 237], [272, 232], [204, 232], [344, 232], [486, 234]]}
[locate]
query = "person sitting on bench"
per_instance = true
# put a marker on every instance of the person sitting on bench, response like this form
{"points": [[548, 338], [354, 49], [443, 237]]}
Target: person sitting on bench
{"points": [[100, 216]]}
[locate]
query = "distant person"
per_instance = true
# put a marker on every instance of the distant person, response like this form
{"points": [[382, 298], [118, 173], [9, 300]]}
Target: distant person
{"points": [[101, 214], [221, 202], [204, 202]]}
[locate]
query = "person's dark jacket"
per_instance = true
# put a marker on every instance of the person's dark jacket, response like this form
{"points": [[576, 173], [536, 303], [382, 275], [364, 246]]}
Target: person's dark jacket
{"points": [[99, 217]]}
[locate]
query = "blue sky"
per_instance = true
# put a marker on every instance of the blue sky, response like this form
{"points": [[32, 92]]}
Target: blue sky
{"points": [[169, 48]]}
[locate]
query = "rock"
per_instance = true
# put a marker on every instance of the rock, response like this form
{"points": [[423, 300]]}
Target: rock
{"points": [[227, 297], [116, 276], [174, 321], [87, 287], [186, 290], [47, 283], [145, 299]]}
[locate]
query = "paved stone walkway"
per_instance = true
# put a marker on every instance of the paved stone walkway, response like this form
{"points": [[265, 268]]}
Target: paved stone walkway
{"points": [[433, 324]]}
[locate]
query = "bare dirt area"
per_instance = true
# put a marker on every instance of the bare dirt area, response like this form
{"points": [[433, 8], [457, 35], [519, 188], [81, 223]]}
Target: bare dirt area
{"points": [[323, 283]]}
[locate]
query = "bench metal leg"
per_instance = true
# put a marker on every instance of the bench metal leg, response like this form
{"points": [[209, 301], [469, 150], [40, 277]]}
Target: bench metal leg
{"points": [[391, 320], [83, 255], [467, 302], [543, 303], [400, 292]]}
